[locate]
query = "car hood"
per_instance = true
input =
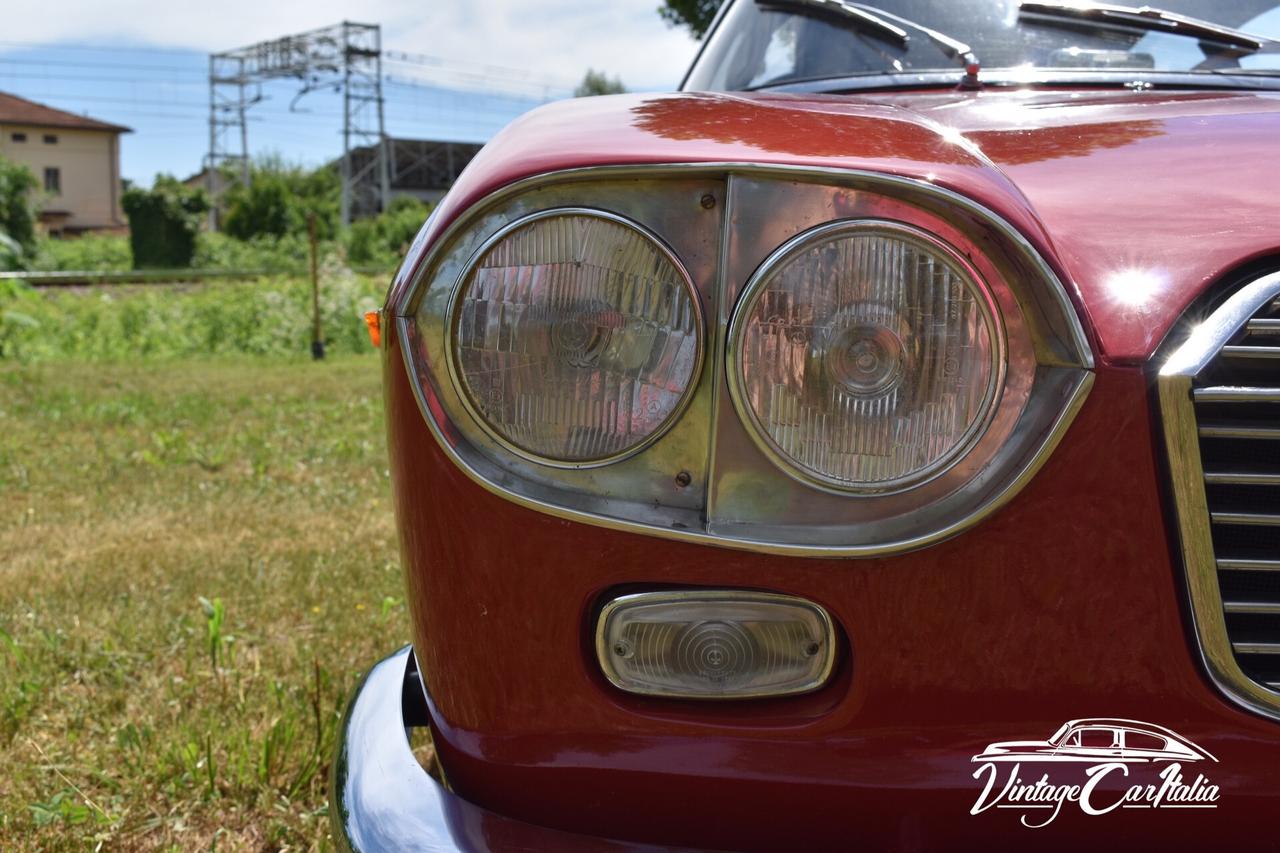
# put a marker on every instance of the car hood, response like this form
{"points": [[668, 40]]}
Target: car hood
{"points": [[1140, 200]]}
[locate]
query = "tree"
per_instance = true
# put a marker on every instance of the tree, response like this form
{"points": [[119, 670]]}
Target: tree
{"points": [[598, 83], [385, 238], [694, 14], [163, 223], [17, 207], [278, 200]]}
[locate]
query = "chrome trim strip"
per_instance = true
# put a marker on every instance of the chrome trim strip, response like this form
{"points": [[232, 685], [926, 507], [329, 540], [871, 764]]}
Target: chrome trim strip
{"points": [[1065, 346], [452, 317], [1177, 399], [829, 642]]}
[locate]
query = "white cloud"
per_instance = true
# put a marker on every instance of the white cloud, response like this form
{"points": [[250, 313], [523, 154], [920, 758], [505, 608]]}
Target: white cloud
{"points": [[559, 39]]}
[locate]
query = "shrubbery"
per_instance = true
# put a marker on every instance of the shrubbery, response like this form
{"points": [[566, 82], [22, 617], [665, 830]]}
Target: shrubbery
{"points": [[384, 239], [17, 214], [97, 252], [279, 199], [163, 223]]}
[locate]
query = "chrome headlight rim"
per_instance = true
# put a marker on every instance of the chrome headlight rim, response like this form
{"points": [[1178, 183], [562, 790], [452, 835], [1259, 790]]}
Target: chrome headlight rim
{"points": [[758, 284], [464, 390]]}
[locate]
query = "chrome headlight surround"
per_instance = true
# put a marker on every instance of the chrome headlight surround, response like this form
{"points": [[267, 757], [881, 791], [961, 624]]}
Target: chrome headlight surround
{"points": [[705, 479]]}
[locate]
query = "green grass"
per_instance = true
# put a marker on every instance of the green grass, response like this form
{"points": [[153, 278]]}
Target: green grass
{"points": [[196, 560]]}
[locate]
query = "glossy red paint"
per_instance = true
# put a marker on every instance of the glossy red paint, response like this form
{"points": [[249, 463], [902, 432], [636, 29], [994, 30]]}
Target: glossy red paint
{"points": [[1139, 199], [1065, 604], [995, 635]]}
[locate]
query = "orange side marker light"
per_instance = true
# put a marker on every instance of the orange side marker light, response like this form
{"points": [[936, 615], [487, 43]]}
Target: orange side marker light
{"points": [[373, 320]]}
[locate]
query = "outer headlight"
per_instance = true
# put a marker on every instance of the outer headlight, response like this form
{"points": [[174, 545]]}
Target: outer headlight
{"points": [[867, 356], [576, 337]]}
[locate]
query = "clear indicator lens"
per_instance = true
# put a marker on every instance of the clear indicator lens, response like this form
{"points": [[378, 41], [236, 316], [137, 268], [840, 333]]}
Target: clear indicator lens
{"points": [[577, 337], [869, 356], [715, 644]]}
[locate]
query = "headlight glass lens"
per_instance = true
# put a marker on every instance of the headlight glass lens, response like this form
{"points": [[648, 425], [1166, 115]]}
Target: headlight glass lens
{"points": [[869, 356], [577, 337]]}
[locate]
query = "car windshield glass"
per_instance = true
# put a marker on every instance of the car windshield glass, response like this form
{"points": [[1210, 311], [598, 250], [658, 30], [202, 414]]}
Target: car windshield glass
{"points": [[761, 44], [1057, 736]]}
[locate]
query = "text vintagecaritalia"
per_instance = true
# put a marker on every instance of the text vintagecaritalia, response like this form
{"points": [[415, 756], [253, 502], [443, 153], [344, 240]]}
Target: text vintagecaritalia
{"points": [[1171, 792]]}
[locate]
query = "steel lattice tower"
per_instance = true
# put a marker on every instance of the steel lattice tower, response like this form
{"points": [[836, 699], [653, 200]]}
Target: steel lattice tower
{"points": [[347, 56]]}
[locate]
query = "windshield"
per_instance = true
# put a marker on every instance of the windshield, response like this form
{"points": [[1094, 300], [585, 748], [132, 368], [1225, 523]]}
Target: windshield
{"points": [[759, 45]]}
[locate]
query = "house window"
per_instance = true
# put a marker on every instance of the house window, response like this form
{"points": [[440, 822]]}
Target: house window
{"points": [[18, 137], [52, 180], [51, 139]]}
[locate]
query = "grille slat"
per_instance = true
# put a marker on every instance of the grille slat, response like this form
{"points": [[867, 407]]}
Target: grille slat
{"points": [[1264, 327], [1245, 565], [1251, 352], [1234, 395], [1242, 478], [1256, 607], [1240, 430], [1245, 518], [1256, 648]]}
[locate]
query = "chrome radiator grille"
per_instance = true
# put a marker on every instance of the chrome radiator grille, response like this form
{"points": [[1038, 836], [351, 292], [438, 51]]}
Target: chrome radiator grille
{"points": [[1220, 401]]}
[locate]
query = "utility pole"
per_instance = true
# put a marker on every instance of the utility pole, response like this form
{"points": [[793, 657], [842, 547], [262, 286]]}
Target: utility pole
{"points": [[346, 56]]}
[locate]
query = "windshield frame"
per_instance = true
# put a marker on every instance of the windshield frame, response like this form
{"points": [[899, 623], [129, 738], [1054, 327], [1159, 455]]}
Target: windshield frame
{"points": [[997, 77]]}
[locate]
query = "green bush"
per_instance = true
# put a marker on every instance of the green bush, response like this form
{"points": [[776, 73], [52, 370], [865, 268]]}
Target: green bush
{"points": [[278, 200], [268, 317], [11, 255], [288, 254], [96, 252], [163, 223], [17, 211], [383, 240]]}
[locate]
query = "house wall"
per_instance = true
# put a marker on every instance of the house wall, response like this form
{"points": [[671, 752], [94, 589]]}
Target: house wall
{"points": [[89, 162]]}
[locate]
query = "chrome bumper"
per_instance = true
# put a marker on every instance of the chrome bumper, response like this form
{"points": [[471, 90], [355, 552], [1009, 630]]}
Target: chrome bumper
{"points": [[380, 798]]}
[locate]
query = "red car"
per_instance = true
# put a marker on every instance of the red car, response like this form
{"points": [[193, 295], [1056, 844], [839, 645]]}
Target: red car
{"points": [[768, 453]]}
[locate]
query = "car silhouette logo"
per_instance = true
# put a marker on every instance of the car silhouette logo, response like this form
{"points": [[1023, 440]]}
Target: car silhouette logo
{"points": [[1098, 740]]}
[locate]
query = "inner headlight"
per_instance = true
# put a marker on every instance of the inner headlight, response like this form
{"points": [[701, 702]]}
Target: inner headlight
{"points": [[866, 356], [577, 337]]}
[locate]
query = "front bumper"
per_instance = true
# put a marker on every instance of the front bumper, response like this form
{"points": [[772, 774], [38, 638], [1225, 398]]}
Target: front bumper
{"points": [[380, 798]]}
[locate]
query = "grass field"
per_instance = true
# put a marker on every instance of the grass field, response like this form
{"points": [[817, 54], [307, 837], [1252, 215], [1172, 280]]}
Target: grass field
{"points": [[197, 558]]}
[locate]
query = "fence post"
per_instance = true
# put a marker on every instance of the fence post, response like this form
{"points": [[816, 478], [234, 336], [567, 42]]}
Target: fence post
{"points": [[317, 333]]}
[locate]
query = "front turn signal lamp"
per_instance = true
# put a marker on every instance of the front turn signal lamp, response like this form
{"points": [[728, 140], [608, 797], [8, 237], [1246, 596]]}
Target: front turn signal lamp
{"points": [[715, 644]]}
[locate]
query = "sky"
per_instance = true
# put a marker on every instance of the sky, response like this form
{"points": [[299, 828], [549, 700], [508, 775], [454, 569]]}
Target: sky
{"points": [[469, 66]]}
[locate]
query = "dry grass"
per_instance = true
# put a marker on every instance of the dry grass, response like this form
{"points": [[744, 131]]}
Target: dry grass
{"points": [[196, 560]]}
